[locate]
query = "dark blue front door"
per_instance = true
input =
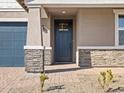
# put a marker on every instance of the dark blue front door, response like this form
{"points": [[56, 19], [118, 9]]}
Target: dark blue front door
{"points": [[63, 40]]}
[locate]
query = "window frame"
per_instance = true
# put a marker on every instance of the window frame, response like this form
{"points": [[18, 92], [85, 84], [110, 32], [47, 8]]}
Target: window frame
{"points": [[117, 28]]}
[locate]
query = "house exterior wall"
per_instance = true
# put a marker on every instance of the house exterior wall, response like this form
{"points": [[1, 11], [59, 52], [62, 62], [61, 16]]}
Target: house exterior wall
{"points": [[38, 31], [13, 14], [46, 22], [96, 39], [95, 27], [34, 60], [45, 27], [34, 28], [9, 4], [101, 57], [33, 57]]}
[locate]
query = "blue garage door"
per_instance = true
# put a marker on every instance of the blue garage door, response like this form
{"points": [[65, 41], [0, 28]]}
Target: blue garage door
{"points": [[12, 41]]}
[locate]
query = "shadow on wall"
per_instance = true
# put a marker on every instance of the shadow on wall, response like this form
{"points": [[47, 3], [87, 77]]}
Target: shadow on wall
{"points": [[85, 58], [45, 29]]}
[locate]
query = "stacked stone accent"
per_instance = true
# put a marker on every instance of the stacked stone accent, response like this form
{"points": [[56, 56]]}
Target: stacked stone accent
{"points": [[101, 57], [34, 59], [48, 56]]}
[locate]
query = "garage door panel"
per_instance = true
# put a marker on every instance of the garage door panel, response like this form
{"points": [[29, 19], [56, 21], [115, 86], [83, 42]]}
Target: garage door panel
{"points": [[7, 61], [18, 63], [6, 52], [19, 52], [18, 44], [12, 41], [6, 44], [19, 35], [3, 35]]}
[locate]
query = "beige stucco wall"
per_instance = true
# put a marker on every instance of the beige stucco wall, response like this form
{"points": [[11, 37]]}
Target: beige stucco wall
{"points": [[34, 27], [46, 31], [95, 27], [36, 24], [14, 14]]}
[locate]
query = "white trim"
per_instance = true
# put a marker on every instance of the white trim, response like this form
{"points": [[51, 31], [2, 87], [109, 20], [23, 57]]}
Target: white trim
{"points": [[12, 10], [85, 5], [100, 47], [33, 47], [117, 28], [77, 5], [34, 5], [122, 28], [77, 57], [13, 19], [37, 47], [118, 11], [48, 47]]}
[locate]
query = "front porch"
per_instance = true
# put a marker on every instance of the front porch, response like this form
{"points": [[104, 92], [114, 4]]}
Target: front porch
{"points": [[62, 79], [96, 39]]}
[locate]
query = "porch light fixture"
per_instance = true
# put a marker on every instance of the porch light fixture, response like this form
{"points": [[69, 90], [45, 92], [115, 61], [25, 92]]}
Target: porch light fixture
{"points": [[63, 12]]}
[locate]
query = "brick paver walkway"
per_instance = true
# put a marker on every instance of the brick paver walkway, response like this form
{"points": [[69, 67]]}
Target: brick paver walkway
{"points": [[62, 79]]}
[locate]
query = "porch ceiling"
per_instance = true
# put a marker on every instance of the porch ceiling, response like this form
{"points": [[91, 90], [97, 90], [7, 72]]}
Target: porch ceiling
{"points": [[62, 11]]}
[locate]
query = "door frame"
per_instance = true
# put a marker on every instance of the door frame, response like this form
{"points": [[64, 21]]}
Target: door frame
{"points": [[73, 37], [71, 41]]}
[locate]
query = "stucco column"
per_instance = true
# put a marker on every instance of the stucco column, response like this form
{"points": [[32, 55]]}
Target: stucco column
{"points": [[34, 48], [34, 27]]}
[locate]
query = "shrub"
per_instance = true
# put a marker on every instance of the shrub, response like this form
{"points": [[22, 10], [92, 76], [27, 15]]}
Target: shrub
{"points": [[105, 79], [43, 77]]}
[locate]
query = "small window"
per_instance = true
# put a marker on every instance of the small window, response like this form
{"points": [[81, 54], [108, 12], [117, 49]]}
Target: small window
{"points": [[121, 20], [120, 29], [63, 27], [121, 37]]}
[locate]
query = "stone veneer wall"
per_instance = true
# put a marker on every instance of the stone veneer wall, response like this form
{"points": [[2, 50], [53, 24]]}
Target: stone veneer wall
{"points": [[48, 57], [101, 57], [34, 59]]}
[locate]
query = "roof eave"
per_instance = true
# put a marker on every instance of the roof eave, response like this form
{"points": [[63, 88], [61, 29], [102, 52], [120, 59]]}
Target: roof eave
{"points": [[22, 3]]}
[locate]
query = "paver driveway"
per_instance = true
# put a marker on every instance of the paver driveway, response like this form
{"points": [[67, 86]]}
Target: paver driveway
{"points": [[62, 79]]}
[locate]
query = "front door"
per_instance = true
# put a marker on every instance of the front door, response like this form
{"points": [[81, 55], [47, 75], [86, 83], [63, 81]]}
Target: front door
{"points": [[63, 41]]}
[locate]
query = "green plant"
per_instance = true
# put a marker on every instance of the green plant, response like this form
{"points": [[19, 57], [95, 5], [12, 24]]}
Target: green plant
{"points": [[43, 77], [105, 79]]}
